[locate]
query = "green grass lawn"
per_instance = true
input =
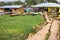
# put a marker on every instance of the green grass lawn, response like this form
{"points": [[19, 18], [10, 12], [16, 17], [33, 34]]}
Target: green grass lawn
{"points": [[18, 27]]}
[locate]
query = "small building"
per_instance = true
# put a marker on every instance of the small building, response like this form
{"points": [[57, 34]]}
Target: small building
{"points": [[47, 6], [53, 9], [12, 9]]}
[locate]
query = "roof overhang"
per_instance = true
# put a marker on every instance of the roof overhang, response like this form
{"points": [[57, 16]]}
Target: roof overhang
{"points": [[11, 6], [47, 5]]}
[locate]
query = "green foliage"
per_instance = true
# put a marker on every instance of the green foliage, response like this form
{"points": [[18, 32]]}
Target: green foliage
{"points": [[2, 3], [14, 3], [18, 27], [30, 2], [52, 1], [33, 2], [39, 1], [17, 3], [8, 3], [11, 3]]}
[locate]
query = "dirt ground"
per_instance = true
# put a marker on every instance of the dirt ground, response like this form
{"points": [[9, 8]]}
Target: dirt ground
{"points": [[52, 27]]}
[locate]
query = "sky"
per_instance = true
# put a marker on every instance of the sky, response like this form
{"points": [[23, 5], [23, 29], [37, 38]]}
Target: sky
{"points": [[11, 0], [58, 0], [17, 0]]}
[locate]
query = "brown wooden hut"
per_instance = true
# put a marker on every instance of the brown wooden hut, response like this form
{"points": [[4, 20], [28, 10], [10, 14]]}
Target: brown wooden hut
{"points": [[12, 9]]}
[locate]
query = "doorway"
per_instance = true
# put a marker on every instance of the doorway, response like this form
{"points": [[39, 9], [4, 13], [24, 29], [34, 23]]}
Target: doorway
{"points": [[7, 10]]}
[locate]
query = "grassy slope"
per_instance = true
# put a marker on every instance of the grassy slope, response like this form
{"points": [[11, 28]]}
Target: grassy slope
{"points": [[18, 27]]}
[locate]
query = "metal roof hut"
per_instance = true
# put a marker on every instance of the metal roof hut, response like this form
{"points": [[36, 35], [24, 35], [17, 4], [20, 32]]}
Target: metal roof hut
{"points": [[51, 7], [47, 5], [16, 9]]}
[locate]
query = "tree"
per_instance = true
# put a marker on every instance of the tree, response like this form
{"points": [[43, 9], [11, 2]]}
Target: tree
{"points": [[14, 3], [52, 1], [8, 3], [30, 2], [39, 1], [17, 3], [2, 3]]}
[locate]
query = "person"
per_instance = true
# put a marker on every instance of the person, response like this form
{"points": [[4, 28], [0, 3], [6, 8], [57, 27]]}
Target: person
{"points": [[27, 10]]}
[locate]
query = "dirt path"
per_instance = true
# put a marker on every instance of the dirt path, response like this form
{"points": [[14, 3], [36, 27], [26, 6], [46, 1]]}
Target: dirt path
{"points": [[41, 34], [54, 30]]}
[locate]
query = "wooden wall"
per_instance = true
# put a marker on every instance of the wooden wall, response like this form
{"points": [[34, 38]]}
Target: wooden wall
{"points": [[18, 10], [1, 9]]}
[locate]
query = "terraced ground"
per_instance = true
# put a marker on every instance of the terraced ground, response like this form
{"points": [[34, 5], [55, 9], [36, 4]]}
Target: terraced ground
{"points": [[48, 32]]}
